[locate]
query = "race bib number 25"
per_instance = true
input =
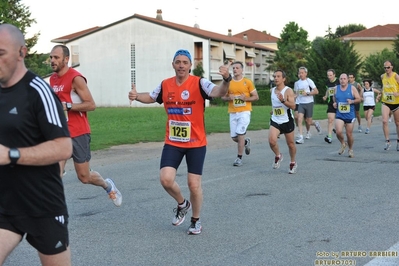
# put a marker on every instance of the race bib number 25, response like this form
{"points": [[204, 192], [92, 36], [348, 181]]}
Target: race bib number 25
{"points": [[344, 107]]}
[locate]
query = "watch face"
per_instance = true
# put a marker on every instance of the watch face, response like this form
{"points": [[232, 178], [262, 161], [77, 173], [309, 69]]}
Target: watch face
{"points": [[14, 153]]}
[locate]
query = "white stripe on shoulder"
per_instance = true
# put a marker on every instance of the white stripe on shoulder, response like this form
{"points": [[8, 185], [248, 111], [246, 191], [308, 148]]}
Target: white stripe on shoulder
{"points": [[48, 100]]}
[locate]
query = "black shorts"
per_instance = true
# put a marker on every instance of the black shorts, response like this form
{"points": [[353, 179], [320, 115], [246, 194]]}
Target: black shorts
{"points": [[49, 235], [357, 107], [392, 107], [331, 109], [284, 128], [195, 157], [296, 107], [370, 107]]}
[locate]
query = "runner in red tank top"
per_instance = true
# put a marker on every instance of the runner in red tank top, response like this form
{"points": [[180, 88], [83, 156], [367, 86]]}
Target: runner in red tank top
{"points": [[71, 88]]}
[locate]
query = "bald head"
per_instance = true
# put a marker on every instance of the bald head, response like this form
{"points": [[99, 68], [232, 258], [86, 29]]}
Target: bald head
{"points": [[14, 34], [12, 51]]}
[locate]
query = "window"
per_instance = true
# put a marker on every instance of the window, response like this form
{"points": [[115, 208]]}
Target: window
{"points": [[75, 55], [229, 51], [250, 53]]}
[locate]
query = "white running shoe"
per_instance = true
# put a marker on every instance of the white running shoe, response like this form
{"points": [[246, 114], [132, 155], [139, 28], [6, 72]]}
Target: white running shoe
{"points": [[300, 140], [181, 213], [195, 228], [293, 168], [317, 126], [237, 162], [308, 135], [342, 149], [115, 195], [387, 145], [277, 161]]}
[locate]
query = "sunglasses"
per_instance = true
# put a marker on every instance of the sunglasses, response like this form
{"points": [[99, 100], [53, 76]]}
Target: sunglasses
{"points": [[388, 67]]}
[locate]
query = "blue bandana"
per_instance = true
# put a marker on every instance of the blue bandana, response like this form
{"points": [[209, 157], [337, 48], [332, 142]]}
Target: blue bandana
{"points": [[182, 52]]}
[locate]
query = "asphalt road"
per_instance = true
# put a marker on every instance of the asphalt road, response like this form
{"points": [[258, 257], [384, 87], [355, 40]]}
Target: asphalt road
{"points": [[335, 208]]}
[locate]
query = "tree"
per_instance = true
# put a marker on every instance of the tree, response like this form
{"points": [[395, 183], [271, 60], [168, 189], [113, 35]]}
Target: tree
{"points": [[199, 70], [15, 13], [395, 46], [330, 53], [372, 65], [293, 34], [330, 35], [292, 48], [348, 29]]}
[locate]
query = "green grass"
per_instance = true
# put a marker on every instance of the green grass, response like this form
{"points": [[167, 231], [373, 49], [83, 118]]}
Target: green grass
{"points": [[117, 126]]}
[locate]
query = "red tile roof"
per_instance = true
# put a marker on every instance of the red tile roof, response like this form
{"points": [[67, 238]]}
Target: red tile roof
{"points": [[386, 32], [257, 36], [75, 35], [189, 30]]}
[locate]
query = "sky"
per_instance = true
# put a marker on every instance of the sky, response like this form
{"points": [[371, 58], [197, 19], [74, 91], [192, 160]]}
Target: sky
{"points": [[55, 18]]}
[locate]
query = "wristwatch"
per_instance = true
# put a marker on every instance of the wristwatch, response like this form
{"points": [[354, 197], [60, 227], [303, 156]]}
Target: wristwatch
{"points": [[308, 93], [14, 155], [228, 79], [68, 106]]}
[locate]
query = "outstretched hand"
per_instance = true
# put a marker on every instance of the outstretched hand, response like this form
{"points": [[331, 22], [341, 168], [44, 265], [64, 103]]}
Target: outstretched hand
{"points": [[224, 70]]}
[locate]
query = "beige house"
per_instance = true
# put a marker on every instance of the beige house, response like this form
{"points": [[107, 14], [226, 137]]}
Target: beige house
{"points": [[259, 37], [139, 49], [373, 40]]}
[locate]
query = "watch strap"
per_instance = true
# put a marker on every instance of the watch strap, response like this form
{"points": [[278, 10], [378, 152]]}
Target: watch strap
{"points": [[228, 79]]}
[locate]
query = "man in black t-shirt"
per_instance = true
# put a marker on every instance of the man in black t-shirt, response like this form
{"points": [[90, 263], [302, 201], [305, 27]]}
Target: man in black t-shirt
{"points": [[331, 83], [34, 137]]}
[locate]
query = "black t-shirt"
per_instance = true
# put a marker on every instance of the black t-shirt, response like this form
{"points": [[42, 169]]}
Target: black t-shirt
{"points": [[330, 84], [31, 113]]}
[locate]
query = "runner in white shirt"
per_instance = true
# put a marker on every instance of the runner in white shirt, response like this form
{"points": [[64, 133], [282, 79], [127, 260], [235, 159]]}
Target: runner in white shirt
{"points": [[305, 89]]}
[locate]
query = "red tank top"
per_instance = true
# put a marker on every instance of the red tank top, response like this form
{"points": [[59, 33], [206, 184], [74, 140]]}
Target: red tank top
{"points": [[185, 108], [78, 123]]}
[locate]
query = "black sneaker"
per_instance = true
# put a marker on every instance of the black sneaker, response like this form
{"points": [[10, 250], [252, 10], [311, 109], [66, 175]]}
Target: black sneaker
{"points": [[328, 139]]}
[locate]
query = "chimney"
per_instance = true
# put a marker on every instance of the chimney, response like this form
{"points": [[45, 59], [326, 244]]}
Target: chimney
{"points": [[159, 14], [229, 33], [245, 37]]}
